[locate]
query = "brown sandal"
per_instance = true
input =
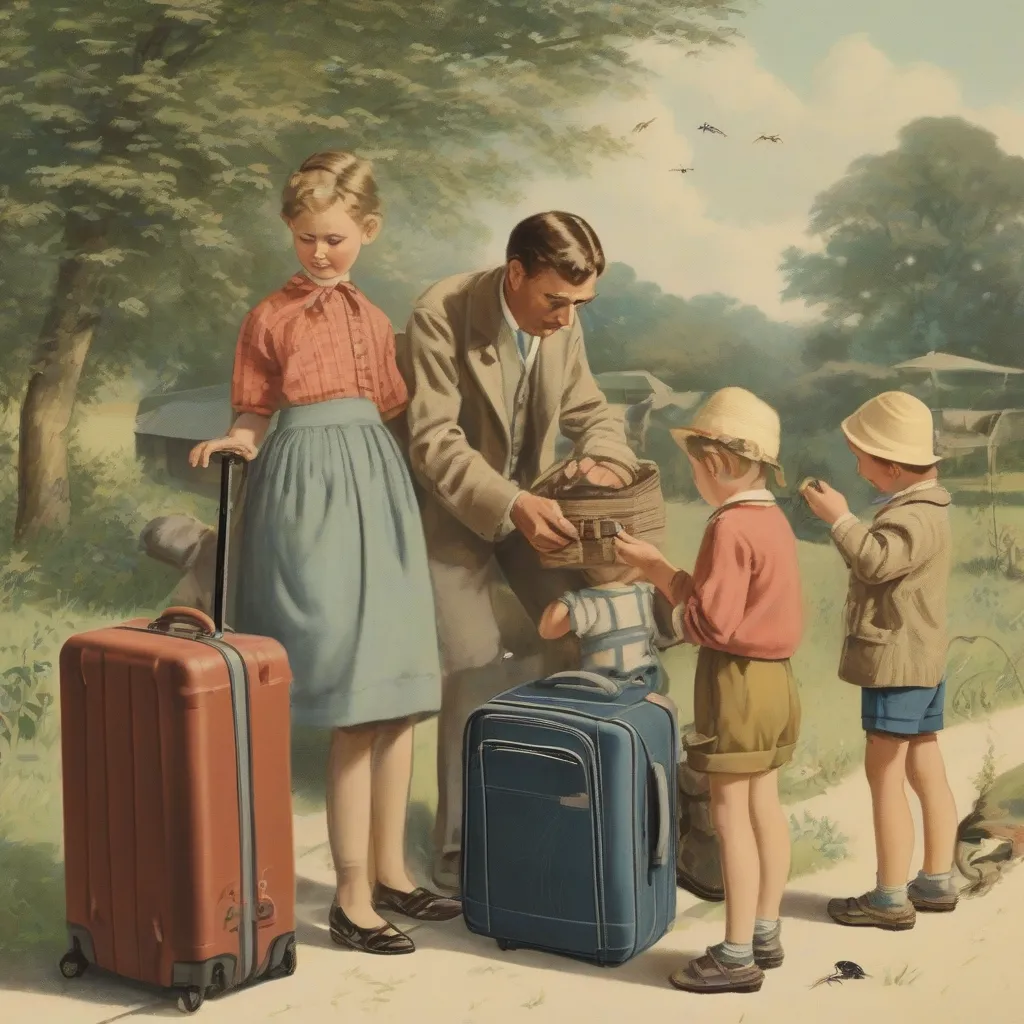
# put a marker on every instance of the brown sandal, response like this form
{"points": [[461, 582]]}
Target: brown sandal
{"points": [[708, 974], [420, 904], [858, 911]]}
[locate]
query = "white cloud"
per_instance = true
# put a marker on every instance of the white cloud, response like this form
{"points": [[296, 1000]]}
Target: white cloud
{"points": [[724, 226]]}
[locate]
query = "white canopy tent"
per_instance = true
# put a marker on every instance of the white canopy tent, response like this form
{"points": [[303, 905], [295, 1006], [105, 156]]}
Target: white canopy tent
{"points": [[935, 363], [963, 430]]}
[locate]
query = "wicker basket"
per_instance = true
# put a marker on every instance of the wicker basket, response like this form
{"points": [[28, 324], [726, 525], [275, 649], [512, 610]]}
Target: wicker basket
{"points": [[598, 513]]}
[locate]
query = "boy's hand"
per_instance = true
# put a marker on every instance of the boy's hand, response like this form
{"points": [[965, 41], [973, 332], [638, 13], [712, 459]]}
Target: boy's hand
{"points": [[637, 553], [827, 503]]}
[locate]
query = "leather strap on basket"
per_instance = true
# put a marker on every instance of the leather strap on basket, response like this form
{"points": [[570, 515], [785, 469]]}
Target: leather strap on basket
{"points": [[597, 529]]}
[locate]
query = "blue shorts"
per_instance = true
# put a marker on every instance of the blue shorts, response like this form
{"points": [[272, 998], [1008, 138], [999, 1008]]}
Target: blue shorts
{"points": [[903, 710]]}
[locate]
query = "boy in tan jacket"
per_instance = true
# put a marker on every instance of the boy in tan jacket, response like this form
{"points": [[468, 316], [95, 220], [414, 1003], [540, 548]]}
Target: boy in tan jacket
{"points": [[895, 649]]}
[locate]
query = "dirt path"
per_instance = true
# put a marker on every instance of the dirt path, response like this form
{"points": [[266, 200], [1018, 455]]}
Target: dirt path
{"points": [[948, 969]]}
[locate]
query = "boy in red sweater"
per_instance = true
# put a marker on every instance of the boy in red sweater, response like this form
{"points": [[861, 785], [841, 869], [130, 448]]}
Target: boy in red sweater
{"points": [[742, 606]]}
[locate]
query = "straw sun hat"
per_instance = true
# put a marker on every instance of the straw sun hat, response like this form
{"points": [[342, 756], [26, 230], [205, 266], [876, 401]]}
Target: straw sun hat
{"points": [[741, 422], [894, 426]]}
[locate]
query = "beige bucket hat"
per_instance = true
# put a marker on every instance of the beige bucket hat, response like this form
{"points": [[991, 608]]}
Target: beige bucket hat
{"points": [[743, 423], [894, 426]]}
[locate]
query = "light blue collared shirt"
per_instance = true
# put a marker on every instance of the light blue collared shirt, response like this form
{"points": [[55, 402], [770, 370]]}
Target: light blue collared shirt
{"points": [[526, 344]]}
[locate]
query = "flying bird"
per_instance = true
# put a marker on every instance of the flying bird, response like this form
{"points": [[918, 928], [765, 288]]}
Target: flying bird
{"points": [[682, 170], [768, 138], [643, 126], [705, 127]]}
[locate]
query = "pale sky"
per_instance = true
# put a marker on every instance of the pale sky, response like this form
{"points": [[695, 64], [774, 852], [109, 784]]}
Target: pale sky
{"points": [[834, 80]]}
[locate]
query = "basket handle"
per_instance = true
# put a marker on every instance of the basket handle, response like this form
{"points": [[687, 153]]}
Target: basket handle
{"points": [[549, 474], [559, 467], [631, 470]]}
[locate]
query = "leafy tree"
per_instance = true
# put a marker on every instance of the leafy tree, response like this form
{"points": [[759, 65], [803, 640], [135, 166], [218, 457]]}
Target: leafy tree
{"points": [[923, 248], [827, 345], [695, 344], [142, 138]]}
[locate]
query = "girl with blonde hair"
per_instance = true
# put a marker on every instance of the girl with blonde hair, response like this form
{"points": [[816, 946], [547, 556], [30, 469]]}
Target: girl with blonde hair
{"points": [[333, 541]]}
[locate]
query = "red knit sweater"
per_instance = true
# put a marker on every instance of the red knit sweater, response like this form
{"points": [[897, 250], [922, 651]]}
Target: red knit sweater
{"points": [[744, 594]]}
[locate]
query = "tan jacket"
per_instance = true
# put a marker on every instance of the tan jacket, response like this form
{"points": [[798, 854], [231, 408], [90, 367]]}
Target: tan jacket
{"points": [[896, 604], [458, 429]]}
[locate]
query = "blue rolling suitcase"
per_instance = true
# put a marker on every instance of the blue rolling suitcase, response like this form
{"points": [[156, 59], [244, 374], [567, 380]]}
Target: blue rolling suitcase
{"points": [[569, 818]]}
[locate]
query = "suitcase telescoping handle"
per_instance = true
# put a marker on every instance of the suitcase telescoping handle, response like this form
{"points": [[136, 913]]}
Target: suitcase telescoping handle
{"points": [[220, 579], [192, 619]]}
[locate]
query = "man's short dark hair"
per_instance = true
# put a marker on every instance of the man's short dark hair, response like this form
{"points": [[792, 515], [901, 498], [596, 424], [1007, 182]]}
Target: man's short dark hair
{"points": [[562, 241]]}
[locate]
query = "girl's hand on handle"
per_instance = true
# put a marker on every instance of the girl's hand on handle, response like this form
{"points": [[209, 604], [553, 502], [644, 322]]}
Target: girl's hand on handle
{"points": [[200, 455]]}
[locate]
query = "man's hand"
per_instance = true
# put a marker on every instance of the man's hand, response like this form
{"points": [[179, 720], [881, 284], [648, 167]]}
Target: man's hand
{"points": [[594, 472], [541, 522], [827, 503]]}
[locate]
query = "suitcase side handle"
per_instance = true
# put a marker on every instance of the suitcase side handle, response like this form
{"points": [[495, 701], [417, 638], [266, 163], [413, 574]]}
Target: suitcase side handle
{"points": [[582, 680], [659, 855], [184, 616]]}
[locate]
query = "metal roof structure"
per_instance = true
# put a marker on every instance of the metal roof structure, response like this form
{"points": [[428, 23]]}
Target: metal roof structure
{"points": [[631, 380], [194, 415]]}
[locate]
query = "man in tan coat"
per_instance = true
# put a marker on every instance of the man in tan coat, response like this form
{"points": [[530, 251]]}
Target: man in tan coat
{"points": [[496, 369]]}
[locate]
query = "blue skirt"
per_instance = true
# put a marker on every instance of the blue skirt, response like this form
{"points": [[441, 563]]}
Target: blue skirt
{"points": [[334, 567]]}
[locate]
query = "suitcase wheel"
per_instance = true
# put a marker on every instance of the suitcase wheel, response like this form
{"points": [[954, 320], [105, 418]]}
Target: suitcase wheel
{"points": [[73, 963], [190, 1000], [504, 945], [290, 961], [218, 980]]}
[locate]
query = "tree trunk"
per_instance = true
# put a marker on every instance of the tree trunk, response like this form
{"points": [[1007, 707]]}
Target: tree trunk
{"points": [[44, 499]]}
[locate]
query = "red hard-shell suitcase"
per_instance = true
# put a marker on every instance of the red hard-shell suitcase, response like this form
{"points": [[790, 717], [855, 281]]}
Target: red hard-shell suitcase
{"points": [[178, 856]]}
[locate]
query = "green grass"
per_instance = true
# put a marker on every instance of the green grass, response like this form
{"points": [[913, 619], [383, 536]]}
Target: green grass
{"points": [[817, 844], [94, 574]]}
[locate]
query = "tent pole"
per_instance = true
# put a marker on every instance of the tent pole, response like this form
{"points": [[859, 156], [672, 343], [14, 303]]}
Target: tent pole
{"points": [[990, 458]]}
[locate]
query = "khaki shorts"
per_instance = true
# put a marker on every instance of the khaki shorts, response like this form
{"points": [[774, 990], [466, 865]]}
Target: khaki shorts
{"points": [[746, 714]]}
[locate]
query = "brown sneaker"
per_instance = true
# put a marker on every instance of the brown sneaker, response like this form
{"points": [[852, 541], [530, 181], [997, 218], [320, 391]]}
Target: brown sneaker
{"points": [[858, 911], [768, 953], [931, 904], [708, 974]]}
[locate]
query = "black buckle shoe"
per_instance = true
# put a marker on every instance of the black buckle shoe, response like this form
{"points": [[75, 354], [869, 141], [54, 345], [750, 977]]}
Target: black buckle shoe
{"points": [[384, 940], [420, 904]]}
